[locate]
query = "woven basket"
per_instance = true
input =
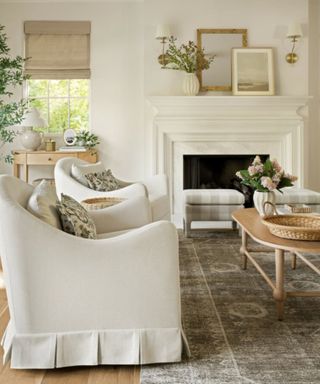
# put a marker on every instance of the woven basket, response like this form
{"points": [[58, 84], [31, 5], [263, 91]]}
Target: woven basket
{"points": [[294, 227], [100, 202]]}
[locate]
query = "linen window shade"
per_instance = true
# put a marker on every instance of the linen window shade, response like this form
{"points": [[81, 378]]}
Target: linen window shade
{"points": [[57, 49]]}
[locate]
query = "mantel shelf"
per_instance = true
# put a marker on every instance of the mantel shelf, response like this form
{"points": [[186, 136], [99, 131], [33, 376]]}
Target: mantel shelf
{"points": [[219, 106]]}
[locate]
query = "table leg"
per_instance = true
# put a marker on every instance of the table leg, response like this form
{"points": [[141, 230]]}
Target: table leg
{"points": [[26, 173], [16, 170], [244, 247], [279, 293], [293, 260]]}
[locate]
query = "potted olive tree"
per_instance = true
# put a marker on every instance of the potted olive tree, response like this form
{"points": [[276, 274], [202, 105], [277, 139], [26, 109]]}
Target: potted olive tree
{"points": [[11, 111]]}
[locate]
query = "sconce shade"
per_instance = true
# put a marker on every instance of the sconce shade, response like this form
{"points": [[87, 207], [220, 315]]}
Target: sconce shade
{"points": [[163, 31], [32, 118], [294, 30]]}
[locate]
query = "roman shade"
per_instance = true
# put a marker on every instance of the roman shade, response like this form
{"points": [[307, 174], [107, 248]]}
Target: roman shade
{"points": [[57, 49]]}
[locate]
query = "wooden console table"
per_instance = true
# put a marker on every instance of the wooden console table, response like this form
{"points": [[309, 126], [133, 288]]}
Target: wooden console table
{"points": [[29, 158], [250, 222]]}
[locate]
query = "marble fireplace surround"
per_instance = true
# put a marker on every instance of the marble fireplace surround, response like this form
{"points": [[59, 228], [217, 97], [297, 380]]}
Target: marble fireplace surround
{"points": [[181, 125]]}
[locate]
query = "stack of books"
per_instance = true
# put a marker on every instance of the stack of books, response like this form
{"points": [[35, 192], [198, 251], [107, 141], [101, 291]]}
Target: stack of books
{"points": [[72, 148]]}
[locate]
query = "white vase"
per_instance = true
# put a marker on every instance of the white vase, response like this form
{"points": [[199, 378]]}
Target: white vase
{"points": [[259, 198], [30, 139], [190, 85]]}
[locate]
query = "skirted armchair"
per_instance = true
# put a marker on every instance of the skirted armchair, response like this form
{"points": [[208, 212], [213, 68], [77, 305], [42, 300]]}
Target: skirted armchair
{"points": [[155, 188], [75, 301]]}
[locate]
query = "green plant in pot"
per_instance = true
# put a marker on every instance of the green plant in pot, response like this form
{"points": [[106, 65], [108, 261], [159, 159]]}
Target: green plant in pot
{"points": [[189, 59], [11, 112], [87, 139]]}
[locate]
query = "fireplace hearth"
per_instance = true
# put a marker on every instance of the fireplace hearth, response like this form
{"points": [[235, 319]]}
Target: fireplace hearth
{"points": [[217, 171]]}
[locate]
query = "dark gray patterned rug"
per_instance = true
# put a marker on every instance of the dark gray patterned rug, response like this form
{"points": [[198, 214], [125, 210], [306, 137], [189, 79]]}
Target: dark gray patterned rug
{"points": [[229, 317]]}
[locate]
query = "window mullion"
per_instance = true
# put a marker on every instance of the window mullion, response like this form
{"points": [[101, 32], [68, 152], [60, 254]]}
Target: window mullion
{"points": [[48, 104], [69, 81]]}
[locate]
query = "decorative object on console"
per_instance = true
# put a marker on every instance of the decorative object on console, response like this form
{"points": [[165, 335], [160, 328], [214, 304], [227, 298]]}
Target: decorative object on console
{"points": [[102, 181], [29, 138], [87, 139], [264, 178], [101, 202], [70, 136], [50, 145], [252, 71], [294, 33], [190, 59], [163, 33], [220, 41], [75, 219]]}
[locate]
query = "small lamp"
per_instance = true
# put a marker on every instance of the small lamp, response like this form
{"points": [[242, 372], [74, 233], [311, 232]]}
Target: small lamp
{"points": [[30, 139], [163, 33], [294, 33], [33, 119]]}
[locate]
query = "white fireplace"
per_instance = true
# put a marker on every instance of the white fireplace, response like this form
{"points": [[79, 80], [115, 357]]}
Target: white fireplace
{"points": [[224, 125]]}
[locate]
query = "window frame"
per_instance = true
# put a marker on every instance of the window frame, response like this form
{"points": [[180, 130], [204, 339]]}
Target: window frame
{"points": [[68, 98]]}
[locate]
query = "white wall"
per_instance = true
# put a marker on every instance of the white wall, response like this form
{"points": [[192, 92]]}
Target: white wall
{"points": [[125, 68], [312, 153], [117, 73], [266, 21]]}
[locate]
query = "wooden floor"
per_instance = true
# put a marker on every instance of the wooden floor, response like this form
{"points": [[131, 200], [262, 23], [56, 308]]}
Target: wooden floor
{"points": [[80, 375]]}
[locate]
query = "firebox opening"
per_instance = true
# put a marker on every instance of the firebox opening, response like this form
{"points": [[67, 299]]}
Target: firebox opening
{"points": [[217, 171]]}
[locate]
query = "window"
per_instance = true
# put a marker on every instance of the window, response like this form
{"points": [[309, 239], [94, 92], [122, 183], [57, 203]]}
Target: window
{"points": [[59, 65], [63, 103]]}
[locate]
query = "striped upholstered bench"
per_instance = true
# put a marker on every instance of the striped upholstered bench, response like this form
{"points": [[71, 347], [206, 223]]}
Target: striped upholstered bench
{"points": [[294, 195], [210, 205]]}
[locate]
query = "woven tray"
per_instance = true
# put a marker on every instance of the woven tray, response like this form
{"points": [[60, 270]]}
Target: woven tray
{"points": [[100, 202], [294, 227], [300, 208]]}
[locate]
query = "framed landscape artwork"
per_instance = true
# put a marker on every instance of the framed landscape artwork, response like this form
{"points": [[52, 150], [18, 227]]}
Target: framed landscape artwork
{"points": [[252, 71]]}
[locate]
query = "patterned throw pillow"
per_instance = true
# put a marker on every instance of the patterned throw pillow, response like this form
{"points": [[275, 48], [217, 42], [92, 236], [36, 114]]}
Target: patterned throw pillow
{"points": [[102, 181], [75, 219]]}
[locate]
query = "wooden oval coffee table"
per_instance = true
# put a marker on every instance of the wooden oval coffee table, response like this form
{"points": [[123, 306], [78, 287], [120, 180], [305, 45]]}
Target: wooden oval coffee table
{"points": [[251, 225]]}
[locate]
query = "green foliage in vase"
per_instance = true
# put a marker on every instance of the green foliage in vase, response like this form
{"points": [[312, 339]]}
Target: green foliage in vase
{"points": [[188, 57], [87, 139], [265, 177], [11, 76]]}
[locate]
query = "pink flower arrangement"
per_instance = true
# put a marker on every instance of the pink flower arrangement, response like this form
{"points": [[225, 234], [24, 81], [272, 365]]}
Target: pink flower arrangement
{"points": [[265, 177]]}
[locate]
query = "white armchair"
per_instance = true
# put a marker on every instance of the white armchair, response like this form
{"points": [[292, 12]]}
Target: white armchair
{"points": [[155, 188], [74, 301]]}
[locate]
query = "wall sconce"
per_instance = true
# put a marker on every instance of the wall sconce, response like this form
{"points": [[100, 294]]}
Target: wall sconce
{"points": [[294, 33], [163, 34]]}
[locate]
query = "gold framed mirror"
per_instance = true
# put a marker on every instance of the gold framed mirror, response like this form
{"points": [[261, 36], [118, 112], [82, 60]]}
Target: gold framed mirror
{"points": [[219, 42]]}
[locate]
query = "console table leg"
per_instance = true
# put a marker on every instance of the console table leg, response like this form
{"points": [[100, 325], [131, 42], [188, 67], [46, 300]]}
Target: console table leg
{"points": [[293, 260], [279, 293], [244, 247]]}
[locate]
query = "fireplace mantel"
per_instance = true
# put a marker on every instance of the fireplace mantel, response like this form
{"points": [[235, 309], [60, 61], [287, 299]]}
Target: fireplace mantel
{"points": [[225, 125], [220, 106]]}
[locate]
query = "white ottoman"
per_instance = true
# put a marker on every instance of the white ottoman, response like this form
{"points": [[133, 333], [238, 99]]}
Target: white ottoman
{"points": [[294, 195], [210, 205]]}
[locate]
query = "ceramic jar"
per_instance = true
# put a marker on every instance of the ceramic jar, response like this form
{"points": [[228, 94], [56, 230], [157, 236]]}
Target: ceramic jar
{"points": [[190, 85], [30, 139], [259, 198]]}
